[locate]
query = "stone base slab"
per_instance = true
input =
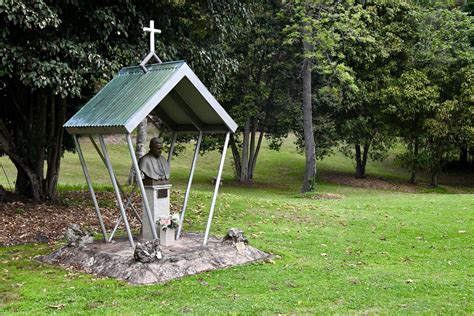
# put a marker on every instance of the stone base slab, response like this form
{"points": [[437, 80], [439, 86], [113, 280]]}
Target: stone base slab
{"points": [[185, 257]]}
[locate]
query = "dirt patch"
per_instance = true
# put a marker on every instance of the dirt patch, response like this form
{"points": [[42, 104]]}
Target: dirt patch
{"points": [[26, 222], [369, 182], [327, 196]]}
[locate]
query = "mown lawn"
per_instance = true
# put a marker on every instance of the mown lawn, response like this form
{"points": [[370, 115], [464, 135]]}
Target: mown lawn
{"points": [[368, 251]]}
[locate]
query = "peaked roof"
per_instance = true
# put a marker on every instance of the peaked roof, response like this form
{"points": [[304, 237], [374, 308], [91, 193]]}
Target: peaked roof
{"points": [[171, 90]]}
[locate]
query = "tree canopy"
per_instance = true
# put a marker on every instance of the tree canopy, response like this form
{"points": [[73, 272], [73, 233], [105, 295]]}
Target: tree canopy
{"points": [[355, 76]]}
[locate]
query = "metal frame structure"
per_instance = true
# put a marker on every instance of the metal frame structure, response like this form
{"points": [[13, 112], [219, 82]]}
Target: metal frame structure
{"points": [[179, 92], [91, 189], [216, 189], [120, 193], [188, 186]]}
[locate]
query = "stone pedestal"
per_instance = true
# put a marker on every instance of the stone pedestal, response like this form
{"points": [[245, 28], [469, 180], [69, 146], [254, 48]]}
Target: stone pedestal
{"points": [[158, 194]]}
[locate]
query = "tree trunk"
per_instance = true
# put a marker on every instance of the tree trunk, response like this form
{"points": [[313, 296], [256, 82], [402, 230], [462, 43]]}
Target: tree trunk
{"points": [[41, 141], [365, 155], [140, 149], [36, 137], [309, 145], [22, 183], [463, 155], [236, 157], [434, 179], [55, 148], [358, 158], [27, 183], [29, 145], [244, 167], [244, 172], [253, 131], [253, 163], [361, 159], [413, 177]]}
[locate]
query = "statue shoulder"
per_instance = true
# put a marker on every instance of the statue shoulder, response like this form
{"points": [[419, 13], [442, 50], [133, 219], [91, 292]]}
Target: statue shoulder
{"points": [[144, 158]]}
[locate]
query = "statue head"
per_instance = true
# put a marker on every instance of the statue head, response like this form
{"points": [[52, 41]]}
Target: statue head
{"points": [[156, 146]]}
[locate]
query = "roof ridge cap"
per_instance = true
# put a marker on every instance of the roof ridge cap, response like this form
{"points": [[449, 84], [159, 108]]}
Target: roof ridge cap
{"points": [[129, 70]]}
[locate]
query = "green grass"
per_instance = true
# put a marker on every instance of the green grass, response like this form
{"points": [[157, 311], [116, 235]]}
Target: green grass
{"points": [[372, 251]]}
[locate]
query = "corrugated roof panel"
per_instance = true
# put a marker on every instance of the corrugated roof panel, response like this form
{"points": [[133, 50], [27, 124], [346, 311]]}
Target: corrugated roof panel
{"points": [[171, 88], [123, 96]]}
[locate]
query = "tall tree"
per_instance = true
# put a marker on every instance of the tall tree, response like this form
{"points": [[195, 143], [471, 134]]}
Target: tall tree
{"points": [[259, 95], [304, 30], [373, 49], [308, 133], [57, 54], [440, 67], [45, 67], [412, 99], [328, 29]]}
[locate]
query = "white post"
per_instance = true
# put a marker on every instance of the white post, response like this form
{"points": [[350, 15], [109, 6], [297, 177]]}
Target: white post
{"points": [[142, 187], [216, 189], [116, 189], [126, 196], [120, 220], [91, 189], [188, 187]]}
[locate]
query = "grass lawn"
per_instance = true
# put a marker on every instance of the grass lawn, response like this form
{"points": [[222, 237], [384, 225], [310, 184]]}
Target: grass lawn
{"points": [[370, 251]]}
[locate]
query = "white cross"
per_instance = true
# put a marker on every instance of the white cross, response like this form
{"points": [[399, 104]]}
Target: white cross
{"points": [[152, 31]]}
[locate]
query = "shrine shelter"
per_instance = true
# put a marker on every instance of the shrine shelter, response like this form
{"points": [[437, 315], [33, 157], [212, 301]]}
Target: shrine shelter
{"points": [[169, 90]]}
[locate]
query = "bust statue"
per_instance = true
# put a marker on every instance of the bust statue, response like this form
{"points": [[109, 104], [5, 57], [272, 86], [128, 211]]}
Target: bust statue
{"points": [[153, 165]]}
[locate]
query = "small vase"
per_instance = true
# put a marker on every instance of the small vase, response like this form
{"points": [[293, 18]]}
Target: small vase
{"points": [[167, 237]]}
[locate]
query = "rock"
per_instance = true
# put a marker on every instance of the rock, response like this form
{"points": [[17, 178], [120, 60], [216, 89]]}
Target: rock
{"points": [[186, 257], [76, 236], [41, 238], [148, 252], [234, 236]]}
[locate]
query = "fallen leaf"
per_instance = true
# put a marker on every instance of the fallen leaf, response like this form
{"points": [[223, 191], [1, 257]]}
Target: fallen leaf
{"points": [[57, 306]]}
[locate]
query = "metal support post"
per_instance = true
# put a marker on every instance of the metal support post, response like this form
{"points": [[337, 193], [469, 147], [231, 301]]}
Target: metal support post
{"points": [[122, 192], [188, 187], [173, 141], [216, 189], [116, 189], [91, 189], [142, 187], [127, 204]]}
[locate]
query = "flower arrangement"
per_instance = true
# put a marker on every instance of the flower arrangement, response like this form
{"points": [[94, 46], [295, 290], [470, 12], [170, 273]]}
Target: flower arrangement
{"points": [[171, 221]]}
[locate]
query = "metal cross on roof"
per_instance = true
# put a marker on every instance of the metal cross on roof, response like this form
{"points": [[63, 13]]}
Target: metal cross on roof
{"points": [[152, 31], [151, 54]]}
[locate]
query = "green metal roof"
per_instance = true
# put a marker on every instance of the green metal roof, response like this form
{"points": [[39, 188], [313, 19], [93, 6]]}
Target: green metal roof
{"points": [[170, 89], [123, 96]]}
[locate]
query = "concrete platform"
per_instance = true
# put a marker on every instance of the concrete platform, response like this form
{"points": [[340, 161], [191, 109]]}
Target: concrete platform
{"points": [[186, 257]]}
